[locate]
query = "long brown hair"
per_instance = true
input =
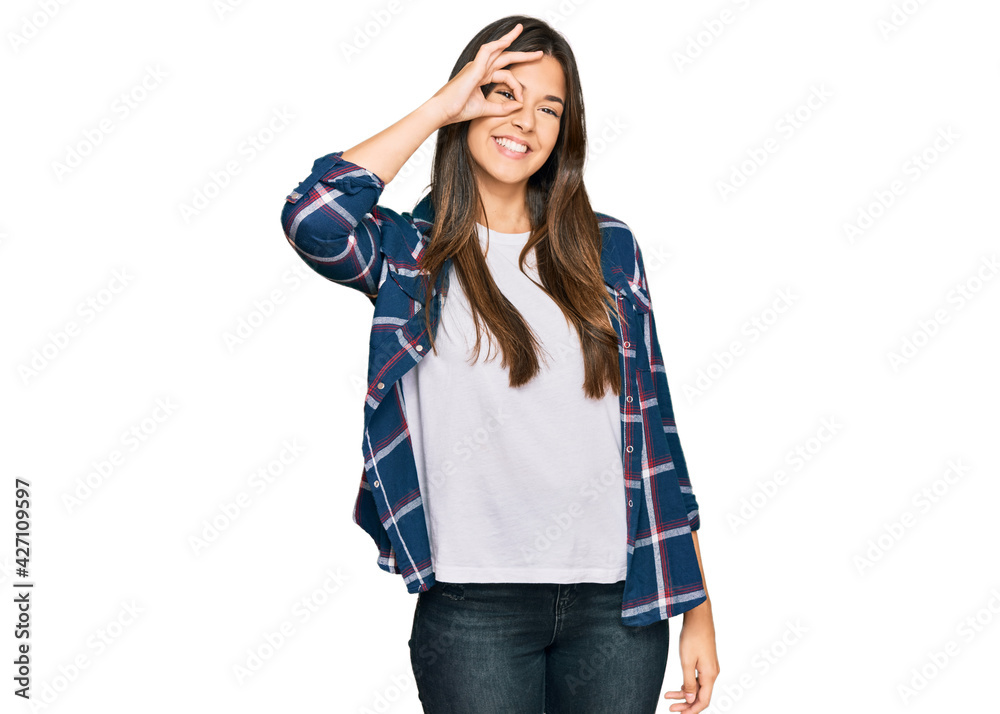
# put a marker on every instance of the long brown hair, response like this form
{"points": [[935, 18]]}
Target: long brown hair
{"points": [[564, 229]]}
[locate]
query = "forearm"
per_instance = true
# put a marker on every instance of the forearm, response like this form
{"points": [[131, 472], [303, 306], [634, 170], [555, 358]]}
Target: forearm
{"points": [[385, 153]]}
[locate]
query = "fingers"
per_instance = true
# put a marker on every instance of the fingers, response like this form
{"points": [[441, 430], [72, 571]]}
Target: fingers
{"points": [[494, 109], [489, 64], [496, 72], [508, 78], [689, 691], [506, 58], [676, 694], [693, 700], [687, 701], [704, 697], [509, 37], [492, 50]]}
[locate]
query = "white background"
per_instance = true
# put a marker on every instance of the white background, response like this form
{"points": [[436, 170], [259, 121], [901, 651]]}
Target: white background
{"points": [[664, 136]]}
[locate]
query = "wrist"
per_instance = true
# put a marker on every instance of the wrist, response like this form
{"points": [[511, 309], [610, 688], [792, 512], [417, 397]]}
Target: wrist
{"points": [[435, 113], [701, 611]]}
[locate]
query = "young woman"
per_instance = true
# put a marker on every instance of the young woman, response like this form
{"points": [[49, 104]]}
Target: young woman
{"points": [[539, 504]]}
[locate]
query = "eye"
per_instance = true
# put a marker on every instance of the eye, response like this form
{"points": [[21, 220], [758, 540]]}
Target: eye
{"points": [[511, 96]]}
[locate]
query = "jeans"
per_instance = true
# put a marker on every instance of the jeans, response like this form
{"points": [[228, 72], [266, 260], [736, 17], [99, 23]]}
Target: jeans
{"points": [[529, 648]]}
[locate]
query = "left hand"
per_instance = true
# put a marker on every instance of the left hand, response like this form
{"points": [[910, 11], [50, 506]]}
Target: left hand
{"points": [[697, 650]]}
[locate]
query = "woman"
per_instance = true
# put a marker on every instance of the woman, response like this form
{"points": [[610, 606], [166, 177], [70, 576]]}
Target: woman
{"points": [[538, 504]]}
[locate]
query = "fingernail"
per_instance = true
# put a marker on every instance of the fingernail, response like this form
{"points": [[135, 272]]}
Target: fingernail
{"points": [[689, 696]]}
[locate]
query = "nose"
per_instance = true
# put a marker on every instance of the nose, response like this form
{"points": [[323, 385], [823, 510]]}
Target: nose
{"points": [[523, 119]]}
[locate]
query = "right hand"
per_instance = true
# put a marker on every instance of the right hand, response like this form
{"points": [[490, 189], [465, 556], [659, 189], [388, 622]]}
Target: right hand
{"points": [[462, 99]]}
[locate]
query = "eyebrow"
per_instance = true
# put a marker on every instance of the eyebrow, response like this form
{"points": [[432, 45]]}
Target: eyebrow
{"points": [[548, 97]]}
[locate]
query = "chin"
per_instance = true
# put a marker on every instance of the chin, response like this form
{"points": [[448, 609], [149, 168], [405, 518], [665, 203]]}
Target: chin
{"points": [[511, 179]]}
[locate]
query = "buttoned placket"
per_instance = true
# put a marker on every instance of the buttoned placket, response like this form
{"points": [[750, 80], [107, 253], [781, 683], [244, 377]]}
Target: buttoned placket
{"points": [[416, 308], [627, 385]]}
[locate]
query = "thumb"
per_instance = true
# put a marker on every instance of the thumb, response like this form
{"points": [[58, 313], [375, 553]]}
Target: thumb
{"points": [[501, 110]]}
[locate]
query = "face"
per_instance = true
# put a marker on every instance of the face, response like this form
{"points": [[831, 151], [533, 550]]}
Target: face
{"points": [[533, 128]]}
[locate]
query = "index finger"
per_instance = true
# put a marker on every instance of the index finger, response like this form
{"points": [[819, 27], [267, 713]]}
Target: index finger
{"points": [[519, 54], [501, 41], [512, 57]]}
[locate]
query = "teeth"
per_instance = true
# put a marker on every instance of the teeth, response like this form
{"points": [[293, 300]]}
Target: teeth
{"points": [[507, 143]]}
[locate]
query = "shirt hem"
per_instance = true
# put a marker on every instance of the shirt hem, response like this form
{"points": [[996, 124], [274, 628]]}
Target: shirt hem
{"points": [[465, 574]]}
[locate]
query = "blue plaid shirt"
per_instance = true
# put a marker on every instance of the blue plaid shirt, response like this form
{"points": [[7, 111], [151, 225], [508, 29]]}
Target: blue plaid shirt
{"points": [[333, 222]]}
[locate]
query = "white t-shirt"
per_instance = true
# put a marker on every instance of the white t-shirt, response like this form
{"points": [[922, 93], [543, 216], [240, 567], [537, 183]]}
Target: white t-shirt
{"points": [[518, 485]]}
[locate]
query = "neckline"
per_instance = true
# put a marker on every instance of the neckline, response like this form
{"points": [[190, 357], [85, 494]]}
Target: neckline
{"points": [[502, 237]]}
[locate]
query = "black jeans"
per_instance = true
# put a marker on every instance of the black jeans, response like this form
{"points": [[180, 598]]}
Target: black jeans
{"points": [[529, 648]]}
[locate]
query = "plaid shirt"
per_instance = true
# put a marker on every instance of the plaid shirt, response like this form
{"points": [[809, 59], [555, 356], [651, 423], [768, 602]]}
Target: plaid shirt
{"points": [[333, 222]]}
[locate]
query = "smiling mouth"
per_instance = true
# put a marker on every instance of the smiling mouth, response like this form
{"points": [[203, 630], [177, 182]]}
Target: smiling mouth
{"points": [[510, 148]]}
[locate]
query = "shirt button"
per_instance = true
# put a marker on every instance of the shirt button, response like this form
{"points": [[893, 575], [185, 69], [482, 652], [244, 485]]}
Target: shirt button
{"points": [[420, 348], [381, 385], [375, 484], [628, 399], [627, 344], [628, 449], [630, 502]]}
